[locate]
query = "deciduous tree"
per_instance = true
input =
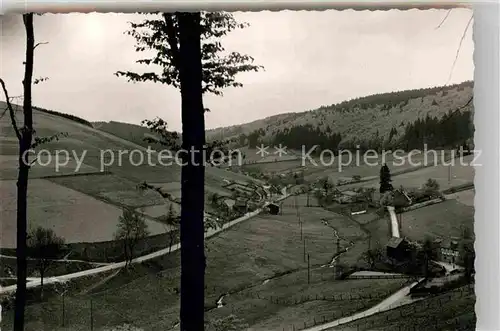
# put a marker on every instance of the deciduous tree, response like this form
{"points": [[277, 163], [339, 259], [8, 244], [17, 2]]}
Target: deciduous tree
{"points": [[132, 227], [24, 135], [188, 53], [171, 219], [45, 246]]}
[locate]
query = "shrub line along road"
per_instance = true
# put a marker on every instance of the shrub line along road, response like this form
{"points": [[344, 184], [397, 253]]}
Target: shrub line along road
{"points": [[113, 266]]}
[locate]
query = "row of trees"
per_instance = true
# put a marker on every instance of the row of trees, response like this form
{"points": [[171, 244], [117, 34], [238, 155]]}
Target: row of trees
{"points": [[307, 136], [448, 131]]}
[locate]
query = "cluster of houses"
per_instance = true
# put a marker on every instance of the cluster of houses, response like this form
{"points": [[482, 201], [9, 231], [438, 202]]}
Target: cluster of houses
{"points": [[445, 249]]}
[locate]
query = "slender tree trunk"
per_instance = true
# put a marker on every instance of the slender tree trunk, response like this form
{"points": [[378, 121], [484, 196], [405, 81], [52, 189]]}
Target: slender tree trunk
{"points": [[193, 175], [22, 180]]}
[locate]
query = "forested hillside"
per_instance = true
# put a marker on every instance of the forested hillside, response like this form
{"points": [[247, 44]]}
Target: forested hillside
{"points": [[439, 117]]}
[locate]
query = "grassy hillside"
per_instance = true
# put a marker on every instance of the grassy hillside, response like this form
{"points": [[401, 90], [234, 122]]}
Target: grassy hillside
{"points": [[98, 175], [364, 118], [131, 132]]}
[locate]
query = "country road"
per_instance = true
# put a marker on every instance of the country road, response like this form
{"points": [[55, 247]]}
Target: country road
{"points": [[113, 266]]}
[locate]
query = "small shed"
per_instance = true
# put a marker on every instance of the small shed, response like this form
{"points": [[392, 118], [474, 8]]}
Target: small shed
{"points": [[273, 208], [397, 248]]}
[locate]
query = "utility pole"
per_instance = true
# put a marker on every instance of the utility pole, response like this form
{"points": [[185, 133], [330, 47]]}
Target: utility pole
{"points": [[63, 313], [304, 245], [300, 230], [91, 316], [308, 269], [338, 250], [449, 174]]}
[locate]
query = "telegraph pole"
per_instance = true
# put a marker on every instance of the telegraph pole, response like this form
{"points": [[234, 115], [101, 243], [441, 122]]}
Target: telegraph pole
{"points": [[338, 249], [300, 230], [91, 316], [304, 245], [308, 269], [449, 174]]}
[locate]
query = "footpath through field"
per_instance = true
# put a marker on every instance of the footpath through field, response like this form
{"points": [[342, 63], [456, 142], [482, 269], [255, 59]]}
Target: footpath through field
{"points": [[394, 222], [113, 266]]}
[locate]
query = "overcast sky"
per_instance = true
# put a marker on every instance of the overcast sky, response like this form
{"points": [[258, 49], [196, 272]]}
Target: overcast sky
{"points": [[310, 58]]}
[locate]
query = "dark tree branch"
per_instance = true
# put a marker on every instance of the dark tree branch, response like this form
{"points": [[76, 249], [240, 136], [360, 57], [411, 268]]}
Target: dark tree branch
{"points": [[11, 110], [41, 43]]}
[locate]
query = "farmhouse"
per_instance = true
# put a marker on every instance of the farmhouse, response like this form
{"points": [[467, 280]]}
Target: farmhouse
{"points": [[398, 249], [448, 250], [229, 203], [240, 205]]}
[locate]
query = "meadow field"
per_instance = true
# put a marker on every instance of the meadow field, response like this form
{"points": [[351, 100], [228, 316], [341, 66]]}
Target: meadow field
{"points": [[267, 247], [45, 166], [444, 219], [74, 216], [466, 197], [93, 196], [447, 176], [453, 310]]}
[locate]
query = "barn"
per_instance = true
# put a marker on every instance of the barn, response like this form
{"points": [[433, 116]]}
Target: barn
{"points": [[397, 249]]}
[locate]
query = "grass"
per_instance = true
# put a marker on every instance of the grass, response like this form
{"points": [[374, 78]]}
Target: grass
{"points": [[465, 197], [160, 210], [450, 311], [274, 166], [440, 220], [264, 247], [459, 174], [113, 189], [74, 216], [9, 167], [56, 267], [289, 300], [74, 203]]}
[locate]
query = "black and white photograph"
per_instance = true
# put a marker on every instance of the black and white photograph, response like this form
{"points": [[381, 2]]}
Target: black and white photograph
{"points": [[228, 171]]}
